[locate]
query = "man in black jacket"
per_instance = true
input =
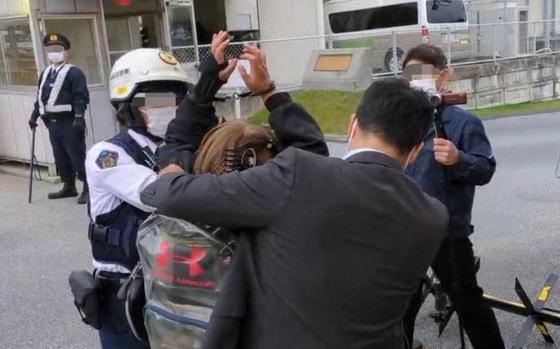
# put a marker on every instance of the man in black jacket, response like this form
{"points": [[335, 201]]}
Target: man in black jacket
{"points": [[339, 245], [449, 170]]}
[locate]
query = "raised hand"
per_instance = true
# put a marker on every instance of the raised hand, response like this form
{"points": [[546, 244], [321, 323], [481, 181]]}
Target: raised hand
{"points": [[220, 42], [258, 80]]}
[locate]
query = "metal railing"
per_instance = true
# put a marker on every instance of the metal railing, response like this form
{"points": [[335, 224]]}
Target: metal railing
{"points": [[463, 44]]}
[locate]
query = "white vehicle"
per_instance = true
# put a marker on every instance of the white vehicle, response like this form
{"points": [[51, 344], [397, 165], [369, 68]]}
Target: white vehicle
{"points": [[365, 23]]}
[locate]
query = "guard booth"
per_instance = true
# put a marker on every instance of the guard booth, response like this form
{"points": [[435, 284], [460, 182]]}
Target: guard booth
{"points": [[100, 31]]}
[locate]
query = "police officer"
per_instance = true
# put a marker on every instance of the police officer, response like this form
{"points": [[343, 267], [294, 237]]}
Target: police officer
{"points": [[146, 86], [62, 99]]}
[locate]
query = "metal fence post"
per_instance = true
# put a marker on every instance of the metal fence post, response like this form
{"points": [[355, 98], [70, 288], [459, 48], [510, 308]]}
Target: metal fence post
{"points": [[535, 38], [449, 44], [495, 26], [395, 58]]}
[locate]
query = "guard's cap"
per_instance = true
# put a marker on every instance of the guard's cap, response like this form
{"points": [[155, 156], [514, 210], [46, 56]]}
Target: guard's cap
{"points": [[56, 39]]}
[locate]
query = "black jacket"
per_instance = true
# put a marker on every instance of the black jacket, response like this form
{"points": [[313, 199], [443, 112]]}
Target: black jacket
{"points": [[455, 186], [337, 251], [292, 125]]}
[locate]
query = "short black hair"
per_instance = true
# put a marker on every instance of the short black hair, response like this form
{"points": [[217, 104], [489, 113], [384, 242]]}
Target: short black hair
{"points": [[394, 111], [428, 54]]}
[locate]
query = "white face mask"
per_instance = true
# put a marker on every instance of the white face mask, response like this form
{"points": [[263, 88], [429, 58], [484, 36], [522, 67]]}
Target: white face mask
{"points": [[159, 119], [56, 57], [426, 85]]}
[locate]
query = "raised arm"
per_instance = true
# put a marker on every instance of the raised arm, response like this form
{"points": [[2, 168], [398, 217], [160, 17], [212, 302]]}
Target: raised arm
{"points": [[293, 126], [247, 199], [196, 115]]}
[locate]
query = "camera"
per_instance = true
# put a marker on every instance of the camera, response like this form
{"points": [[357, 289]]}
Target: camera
{"points": [[448, 98]]}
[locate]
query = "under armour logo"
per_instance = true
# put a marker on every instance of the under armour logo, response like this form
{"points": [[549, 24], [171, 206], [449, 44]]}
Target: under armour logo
{"points": [[192, 258]]}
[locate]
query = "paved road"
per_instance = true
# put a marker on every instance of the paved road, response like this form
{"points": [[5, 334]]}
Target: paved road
{"points": [[517, 236]]}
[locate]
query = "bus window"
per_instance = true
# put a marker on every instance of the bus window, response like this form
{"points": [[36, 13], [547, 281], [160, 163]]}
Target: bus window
{"points": [[446, 11], [374, 18]]}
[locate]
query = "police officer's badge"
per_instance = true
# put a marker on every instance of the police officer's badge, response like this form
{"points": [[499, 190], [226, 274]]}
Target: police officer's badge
{"points": [[107, 159], [53, 37], [168, 57]]}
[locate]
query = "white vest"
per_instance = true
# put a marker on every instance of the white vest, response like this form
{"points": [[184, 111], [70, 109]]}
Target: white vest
{"points": [[55, 91]]}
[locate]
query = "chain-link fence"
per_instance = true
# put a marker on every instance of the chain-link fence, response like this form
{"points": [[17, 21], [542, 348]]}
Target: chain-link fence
{"points": [[186, 54], [463, 44]]}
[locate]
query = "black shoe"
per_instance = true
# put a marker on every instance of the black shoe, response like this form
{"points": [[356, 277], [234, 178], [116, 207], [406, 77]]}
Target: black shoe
{"points": [[83, 199], [67, 191]]}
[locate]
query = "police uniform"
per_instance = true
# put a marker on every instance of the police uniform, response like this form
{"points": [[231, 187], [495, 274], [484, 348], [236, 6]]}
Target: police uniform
{"points": [[118, 170], [62, 99]]}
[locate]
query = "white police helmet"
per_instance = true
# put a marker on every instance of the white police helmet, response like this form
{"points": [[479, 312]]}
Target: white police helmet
{"points": [[143, 66]]}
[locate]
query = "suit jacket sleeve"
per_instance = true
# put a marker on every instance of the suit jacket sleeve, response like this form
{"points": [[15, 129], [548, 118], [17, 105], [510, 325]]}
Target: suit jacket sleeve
{"points": [[248, 199], [80, 93], [185, 132], [293, 126], [476, 164]]}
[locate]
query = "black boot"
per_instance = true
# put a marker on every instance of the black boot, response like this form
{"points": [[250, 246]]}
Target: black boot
{"points": [[83, 199], [67, 191]]}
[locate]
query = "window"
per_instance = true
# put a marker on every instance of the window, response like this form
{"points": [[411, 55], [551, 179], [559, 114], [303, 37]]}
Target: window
{"points": [[446, 11], [83, 51], [374, 18], [17, 61], [128, 33]]}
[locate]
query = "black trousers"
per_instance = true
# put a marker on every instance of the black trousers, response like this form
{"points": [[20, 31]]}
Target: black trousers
{"points": [[115, 333], [454, 267], [69, 147]]}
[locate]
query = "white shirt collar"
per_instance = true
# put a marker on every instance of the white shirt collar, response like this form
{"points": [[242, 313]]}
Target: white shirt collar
{"points": [[360, 150], [57, 69], [142, 140]]}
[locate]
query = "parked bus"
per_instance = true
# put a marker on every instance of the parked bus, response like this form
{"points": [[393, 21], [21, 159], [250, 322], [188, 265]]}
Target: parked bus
{"points": [[370, 23]]}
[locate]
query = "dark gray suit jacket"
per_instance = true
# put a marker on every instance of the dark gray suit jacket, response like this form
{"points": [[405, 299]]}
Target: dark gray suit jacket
{"points": [[338, 250]]}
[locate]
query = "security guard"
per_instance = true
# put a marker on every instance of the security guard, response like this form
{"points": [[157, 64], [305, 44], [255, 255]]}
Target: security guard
{"points": [[62, 99], [146, 87]]}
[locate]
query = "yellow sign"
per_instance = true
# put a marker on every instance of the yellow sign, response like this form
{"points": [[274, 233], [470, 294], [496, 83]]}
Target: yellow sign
{"points": [[168, 57], [53, 37], [333, 63]]}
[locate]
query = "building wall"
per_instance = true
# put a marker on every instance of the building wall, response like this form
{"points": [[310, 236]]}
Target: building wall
{"points": [[289, 19]]}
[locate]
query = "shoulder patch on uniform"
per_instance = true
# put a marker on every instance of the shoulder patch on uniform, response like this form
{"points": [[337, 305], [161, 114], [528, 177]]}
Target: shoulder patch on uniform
{"points": [[107, 159]]}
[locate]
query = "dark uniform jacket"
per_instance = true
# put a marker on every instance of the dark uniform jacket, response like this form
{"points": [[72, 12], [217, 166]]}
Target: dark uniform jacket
{"points": [[455, 186], [72, 98], [336, 248]]}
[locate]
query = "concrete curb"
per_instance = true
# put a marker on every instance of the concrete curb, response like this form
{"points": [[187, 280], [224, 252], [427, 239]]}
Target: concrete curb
{"points": [[334, 138], [539, 112]]}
